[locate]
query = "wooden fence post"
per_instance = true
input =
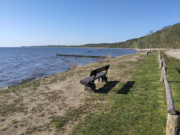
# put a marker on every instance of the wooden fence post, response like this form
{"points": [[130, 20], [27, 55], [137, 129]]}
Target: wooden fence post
{"points": [[172, 125], [162, 74], [173, 118], [170, 103], [164, 64], [159, 55], [160, 63]]}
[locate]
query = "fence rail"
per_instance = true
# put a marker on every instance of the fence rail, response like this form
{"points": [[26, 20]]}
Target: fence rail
{"points": [[173, 119]]}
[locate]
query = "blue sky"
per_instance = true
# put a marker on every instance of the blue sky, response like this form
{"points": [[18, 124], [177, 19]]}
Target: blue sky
{"points": [[76, 22]]}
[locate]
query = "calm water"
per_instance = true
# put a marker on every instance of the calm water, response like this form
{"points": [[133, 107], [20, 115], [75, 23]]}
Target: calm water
{"points": [[19, 64]]}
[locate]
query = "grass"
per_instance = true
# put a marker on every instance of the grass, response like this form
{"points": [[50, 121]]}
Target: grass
{"points": [[71, 115], [135, 107], [53, 96], [16, 106], [173, 76], [14, 88]]}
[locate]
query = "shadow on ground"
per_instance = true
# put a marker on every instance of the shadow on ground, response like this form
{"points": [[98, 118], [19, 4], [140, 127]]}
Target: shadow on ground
{"points": [[107, 87], [126, 88], [178, 71]]}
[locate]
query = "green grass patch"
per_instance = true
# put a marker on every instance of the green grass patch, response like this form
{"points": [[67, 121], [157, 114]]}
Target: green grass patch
{"points": [[136, 107], [173, 76], [59, 121], [71, 115]]}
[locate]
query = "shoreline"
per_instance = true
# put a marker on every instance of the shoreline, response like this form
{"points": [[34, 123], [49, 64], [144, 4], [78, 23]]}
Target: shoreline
{"points": [[138, 49], [170, 52], [23, 81]]}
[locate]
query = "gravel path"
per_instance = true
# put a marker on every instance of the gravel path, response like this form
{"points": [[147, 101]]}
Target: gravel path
{"points": [[174, 53]]}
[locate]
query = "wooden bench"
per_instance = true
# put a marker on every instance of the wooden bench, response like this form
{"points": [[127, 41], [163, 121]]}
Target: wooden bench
{"points": [[99, 73]]}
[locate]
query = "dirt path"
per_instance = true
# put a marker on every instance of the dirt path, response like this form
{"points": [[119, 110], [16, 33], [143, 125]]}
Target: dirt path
{"points": [[31, 109], [174, 53]]}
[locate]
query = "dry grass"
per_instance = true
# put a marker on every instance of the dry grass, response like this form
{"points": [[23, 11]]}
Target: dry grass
{"points": [[107, 59], [75, 66]]}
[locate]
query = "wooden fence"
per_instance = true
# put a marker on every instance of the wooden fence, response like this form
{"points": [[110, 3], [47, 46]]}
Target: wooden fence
{"points": [[173, 118]]}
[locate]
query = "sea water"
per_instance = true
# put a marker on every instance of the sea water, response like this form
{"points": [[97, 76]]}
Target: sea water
{"points": [[17, 64]]}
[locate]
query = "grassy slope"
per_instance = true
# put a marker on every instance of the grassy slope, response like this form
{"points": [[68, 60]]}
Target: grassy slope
{"points": [[136, 107], [168, 37]]}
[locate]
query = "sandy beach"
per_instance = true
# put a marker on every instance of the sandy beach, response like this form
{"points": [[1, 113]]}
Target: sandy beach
{"points": [[173, 53]]}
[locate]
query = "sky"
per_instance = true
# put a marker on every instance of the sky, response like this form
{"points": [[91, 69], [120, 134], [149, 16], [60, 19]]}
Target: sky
{"points": [[77, 22]]}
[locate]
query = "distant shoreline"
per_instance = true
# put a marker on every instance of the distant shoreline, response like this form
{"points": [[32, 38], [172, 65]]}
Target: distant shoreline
{"points": [[82, 47], [138, 49]]}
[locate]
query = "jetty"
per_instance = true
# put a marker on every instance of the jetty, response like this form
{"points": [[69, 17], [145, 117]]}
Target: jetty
{"points": [[80, 56]]}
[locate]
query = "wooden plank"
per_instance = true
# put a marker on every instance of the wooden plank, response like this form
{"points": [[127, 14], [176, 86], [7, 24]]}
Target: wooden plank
{"points": [[87, 80], [169, 100], [81, 56], [170, 104], [94, 72]]}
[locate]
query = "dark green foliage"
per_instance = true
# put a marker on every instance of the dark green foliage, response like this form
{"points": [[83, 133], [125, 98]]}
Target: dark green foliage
{"points": [[168, 37]]}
